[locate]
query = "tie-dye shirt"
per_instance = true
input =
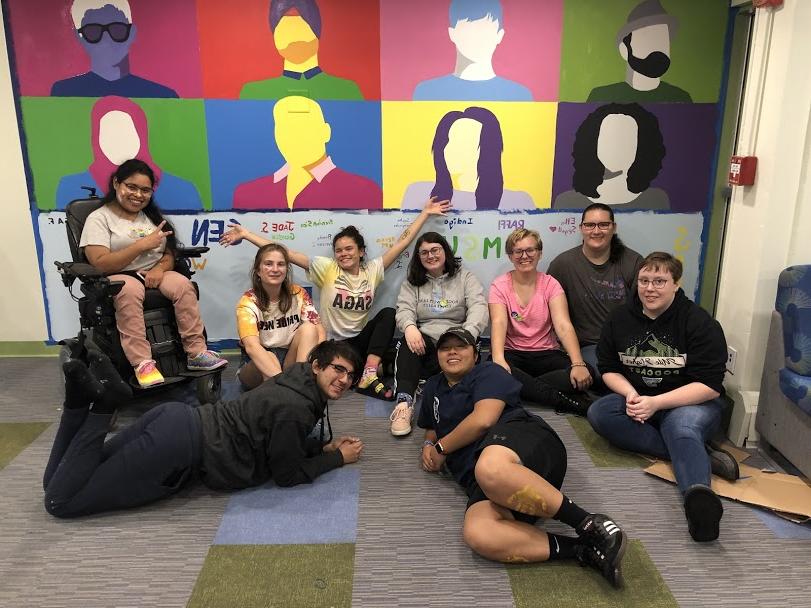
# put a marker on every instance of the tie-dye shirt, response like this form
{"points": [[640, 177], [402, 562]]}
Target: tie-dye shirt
{"points": [[274, 328], [345, 299]]}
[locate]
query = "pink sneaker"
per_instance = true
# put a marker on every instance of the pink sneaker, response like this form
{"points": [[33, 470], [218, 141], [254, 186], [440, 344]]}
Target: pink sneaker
{"points": [[205, 361], [401, 419], [147, 374]]}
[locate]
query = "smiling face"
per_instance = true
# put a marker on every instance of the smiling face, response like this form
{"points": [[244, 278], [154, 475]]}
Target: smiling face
{"points": [[526, 254], [335, 378], [597, 239], [432, 258], [455, 358], [272, 269], [347, 254], [656, 300], [133, 193]]}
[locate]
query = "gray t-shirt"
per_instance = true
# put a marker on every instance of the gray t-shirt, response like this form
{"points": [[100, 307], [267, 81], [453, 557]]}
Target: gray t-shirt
{"points": [[103, 227], [594, 290]]}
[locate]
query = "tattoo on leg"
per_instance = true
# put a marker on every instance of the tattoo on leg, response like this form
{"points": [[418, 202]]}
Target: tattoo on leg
{"points": [[516, 559], [529, 501]]}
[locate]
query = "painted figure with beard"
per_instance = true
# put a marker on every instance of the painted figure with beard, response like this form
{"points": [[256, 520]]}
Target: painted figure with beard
{"points": [[296, 27], [106, 32], [644, 43]]}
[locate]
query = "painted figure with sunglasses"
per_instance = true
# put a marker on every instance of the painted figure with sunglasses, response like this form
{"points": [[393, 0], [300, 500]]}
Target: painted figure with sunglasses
{"points": [[437, 294], [529, 318], [664, 358], [264, 434], [128, 238], [597, 276], [105, 30]]}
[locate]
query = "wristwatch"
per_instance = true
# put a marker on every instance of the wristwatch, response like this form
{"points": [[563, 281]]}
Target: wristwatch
{"points": [[439, 448]]}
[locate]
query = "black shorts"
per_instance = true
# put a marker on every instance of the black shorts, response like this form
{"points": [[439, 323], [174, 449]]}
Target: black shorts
{"points": [[538, 447]]}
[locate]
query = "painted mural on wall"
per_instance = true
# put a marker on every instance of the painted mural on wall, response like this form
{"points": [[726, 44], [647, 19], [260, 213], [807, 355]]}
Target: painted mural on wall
{"points": [[526, 109]]}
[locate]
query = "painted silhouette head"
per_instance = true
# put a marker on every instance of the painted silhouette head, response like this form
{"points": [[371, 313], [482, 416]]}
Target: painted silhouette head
{"points": [[105, 29], [644, 40], [300, 130], [476, 28], [468, 141], [296, 27], [119, 131], [617, 138]]}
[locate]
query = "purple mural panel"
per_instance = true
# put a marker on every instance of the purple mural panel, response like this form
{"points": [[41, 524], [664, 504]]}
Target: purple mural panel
{"points": [[688, 133]]}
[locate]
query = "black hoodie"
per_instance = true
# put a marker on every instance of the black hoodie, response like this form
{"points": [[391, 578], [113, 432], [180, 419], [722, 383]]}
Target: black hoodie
{"points": [[264, 434], [682, 345]]}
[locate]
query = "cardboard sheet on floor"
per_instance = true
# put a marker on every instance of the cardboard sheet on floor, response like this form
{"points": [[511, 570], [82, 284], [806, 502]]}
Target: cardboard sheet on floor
{"points": [[787, 495]]}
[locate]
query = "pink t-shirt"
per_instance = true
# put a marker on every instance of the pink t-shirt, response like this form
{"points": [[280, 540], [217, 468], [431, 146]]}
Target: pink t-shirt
{"points": [[530, 327]]}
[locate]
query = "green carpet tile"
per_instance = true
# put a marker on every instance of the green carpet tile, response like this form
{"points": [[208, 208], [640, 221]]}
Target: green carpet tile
{"points": [[15, 437], [283, 576], [568, 584], [602, 453]]}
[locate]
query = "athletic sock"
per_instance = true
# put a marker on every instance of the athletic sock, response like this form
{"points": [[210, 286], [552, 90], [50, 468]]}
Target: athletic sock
{"points": [[562, 547], [569, 513], [116, 390], [81, 388]]}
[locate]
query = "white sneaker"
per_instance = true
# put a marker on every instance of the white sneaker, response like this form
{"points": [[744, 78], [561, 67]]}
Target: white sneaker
{"points": [[401, 419]]}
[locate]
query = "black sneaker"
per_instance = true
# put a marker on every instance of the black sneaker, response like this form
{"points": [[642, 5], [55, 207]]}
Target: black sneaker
{"points": [[603, 547], [575, 403], [723, 463], [703, 509]]}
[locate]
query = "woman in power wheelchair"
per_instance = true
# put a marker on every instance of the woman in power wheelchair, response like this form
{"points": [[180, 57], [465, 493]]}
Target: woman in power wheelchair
{"points": [[128, 239]]}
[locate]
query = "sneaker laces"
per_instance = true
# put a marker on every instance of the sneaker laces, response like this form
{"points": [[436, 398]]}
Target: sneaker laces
{"points": [[401, 411]]}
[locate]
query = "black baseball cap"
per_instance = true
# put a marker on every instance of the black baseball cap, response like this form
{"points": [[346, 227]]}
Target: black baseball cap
{"points": [[458, 332]]}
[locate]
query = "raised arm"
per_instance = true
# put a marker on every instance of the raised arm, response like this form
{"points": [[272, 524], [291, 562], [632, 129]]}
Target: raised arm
{"points": [[237, 232], [432, 207]]}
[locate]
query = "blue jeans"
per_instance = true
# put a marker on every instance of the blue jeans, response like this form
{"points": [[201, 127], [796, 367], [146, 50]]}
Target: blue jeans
{"points": [[677, 434]]}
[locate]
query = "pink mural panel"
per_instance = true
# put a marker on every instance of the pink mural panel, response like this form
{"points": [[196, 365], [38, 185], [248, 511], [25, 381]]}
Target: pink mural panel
{"points": [[415, 45]]}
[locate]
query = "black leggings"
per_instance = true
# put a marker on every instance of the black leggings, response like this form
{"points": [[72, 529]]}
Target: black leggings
{"points": [[375, 336], [541, 373], [151, 459], [410, 367]]}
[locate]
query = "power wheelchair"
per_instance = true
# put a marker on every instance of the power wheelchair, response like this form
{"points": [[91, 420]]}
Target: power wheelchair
{"points": [[97, 314]]}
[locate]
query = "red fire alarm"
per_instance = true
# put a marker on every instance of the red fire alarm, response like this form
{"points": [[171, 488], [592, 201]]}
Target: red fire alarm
{"points": [[742, 170], [765, 3]]}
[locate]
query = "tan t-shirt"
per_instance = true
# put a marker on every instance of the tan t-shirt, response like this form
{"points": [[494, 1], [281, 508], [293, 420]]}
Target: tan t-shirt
{"points": [[103, 227]]}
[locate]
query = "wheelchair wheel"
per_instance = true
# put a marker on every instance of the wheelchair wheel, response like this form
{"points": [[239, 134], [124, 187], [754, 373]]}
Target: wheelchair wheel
{"points": [[209, 387]]}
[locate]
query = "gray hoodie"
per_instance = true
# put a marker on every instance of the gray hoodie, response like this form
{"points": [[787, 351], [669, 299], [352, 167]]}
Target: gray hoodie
{"points": [[443, 302]]}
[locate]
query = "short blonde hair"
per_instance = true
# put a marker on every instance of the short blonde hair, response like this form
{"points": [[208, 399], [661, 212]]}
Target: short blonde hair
{"points": [[80, 7], [522, 233]]}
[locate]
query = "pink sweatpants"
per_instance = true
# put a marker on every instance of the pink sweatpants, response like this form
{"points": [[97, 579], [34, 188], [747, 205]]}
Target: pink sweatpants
{"points": [[129, 315]]}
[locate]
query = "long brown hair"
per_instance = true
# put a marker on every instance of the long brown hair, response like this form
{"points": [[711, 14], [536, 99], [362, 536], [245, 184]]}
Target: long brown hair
{"points": [[286, 290]]}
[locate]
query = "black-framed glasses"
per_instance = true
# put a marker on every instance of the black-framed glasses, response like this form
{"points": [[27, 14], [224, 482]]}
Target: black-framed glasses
{"points": [[529, 252], [118, 31], [343, 372], [433, 251], [135, 189], [593, 225], [657, 283]]}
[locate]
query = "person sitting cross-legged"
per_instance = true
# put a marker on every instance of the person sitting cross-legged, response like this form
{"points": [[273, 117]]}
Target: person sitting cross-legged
{"points": [[664, 359], [229, 445], [511, 464]]}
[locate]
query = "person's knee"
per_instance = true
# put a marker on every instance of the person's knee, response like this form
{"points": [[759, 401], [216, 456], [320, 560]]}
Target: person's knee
{"points": [[604, 408], [56, 506], [692, 422], [308, 331], [131, 292], [386, 314], [476, 537], [490, 468]]}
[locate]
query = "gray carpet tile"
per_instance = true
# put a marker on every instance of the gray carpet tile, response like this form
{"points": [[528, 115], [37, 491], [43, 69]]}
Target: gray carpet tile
{"points": [[409, 550]]}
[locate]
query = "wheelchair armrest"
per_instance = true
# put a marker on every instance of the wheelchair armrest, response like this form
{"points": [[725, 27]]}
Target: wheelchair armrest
{"points": [[71, 271], [190, 252]]}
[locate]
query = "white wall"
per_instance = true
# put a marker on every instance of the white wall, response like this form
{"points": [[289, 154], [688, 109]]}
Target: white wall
{"points": [[769, 223], [22, 314]]}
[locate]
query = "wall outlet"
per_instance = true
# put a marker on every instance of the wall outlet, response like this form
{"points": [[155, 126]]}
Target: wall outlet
{"points": [[732, 356]]}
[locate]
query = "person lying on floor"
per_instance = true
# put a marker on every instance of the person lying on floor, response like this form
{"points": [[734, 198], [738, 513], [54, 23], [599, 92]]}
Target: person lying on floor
{"points": [[511, 464], [229, 445], [664, 358]]}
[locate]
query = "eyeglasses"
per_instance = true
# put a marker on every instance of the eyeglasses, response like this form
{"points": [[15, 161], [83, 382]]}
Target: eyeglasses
{"points": [[657, 283], [529, 252], [593, 225], [432, 252], [343, 372], [135, 189], [118, 31]]}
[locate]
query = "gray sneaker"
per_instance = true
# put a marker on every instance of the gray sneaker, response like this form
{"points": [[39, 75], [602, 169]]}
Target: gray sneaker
{"points": [[723, 463]]}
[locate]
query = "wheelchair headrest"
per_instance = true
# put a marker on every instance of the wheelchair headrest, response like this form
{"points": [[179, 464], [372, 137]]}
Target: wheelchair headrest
{"points": [[76, 213]]}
